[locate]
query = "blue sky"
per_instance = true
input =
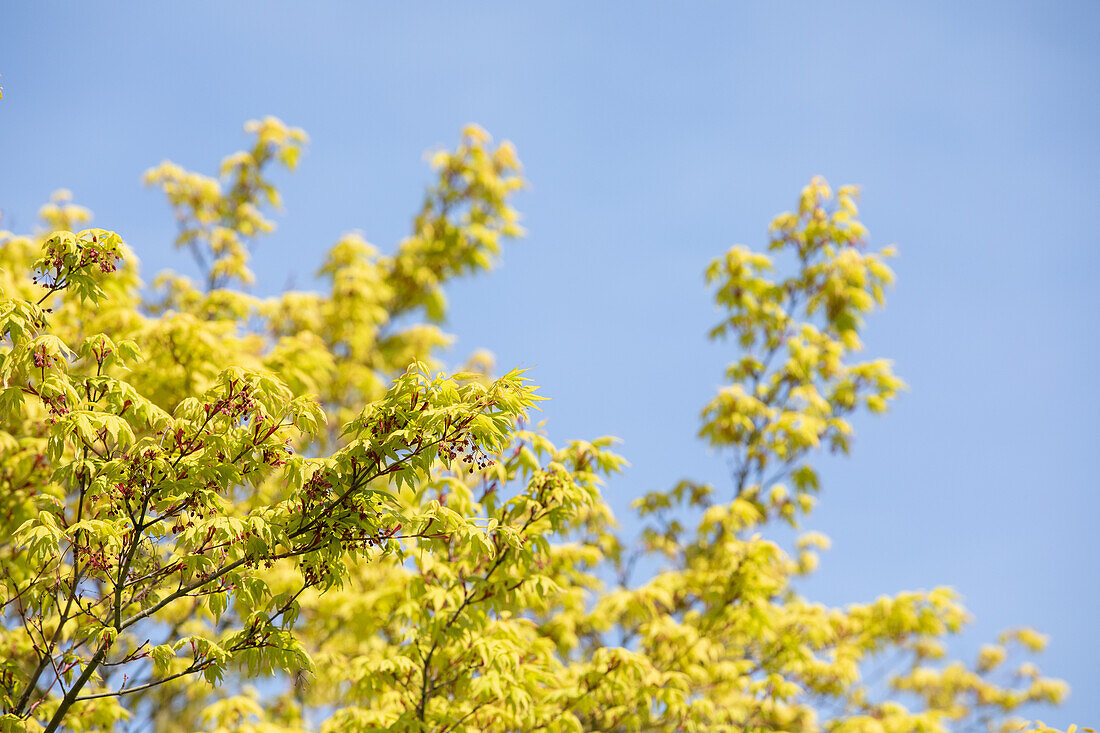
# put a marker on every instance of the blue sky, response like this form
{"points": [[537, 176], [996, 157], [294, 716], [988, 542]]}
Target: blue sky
{"points": [[655, 137]]}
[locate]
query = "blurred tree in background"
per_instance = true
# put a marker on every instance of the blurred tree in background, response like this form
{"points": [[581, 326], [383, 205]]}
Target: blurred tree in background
{"points": [[227, 512]]}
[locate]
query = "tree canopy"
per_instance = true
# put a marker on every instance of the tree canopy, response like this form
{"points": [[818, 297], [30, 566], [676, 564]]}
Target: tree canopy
{"points": [[220, 511]]}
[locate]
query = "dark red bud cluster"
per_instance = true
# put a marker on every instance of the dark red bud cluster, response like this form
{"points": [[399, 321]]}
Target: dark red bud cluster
{"points": [[317, 485], [314, 575], [42, 359], [56, 406], [95, 560], [274, 457], [464, 446], [56, 258], [103, 354], [236, 403], [385, 425], [189, 511], [314, 490], [106, 260]]}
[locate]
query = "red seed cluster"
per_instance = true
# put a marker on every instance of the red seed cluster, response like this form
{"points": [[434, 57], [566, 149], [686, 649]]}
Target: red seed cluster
{"points": [[92, 256], [385, 425], [235, 403], [41, 359], [105, 258], [315, 490], [464, 446], [95, 560], [57, 407]]}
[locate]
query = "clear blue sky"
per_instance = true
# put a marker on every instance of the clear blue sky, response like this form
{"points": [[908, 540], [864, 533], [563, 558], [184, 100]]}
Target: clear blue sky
{"points": [[655, 137]]}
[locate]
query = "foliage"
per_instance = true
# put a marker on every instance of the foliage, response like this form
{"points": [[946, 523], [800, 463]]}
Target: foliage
{"points": [[221, 511]]}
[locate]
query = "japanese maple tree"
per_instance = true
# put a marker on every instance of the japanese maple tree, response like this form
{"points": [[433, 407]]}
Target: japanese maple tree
{"points": [[220, 511]]}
